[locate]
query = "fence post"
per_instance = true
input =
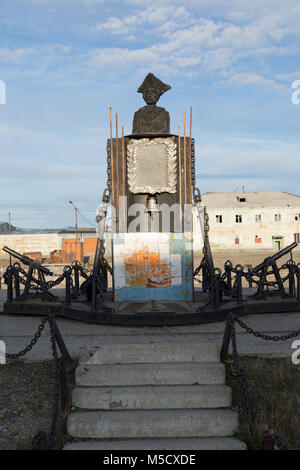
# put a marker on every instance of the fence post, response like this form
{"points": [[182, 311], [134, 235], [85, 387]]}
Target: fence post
{"points": [[298, 284], [9, 286], [64, 389], [68, 287], [217, 292], [239, 286], [268, 441], [291, 281], [226, 339], [17, 284]]}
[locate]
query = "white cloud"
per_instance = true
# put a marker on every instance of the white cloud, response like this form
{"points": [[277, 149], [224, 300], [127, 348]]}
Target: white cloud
{"points": [[14, 55], [241, 79]]}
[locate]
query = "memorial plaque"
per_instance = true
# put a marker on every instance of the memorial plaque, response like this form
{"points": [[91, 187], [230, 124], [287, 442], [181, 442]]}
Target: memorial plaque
{"points": [[152, 165]]}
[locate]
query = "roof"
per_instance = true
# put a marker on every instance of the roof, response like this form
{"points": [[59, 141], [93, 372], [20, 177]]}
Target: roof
{"points": [[250, 200], [79, 230]]}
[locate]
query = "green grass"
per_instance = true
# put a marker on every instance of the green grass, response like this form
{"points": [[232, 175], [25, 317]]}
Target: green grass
{"points": [[274, 393]]}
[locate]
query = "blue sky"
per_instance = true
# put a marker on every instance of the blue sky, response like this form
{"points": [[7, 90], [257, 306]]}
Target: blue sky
{"points": [[65, 62]]}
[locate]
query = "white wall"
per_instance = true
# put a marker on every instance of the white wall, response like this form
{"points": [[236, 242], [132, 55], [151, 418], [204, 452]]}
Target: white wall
{"points": [[223, 235], [24, 243]]}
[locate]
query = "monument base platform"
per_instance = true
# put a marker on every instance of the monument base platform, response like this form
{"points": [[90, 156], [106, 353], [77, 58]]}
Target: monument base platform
{"points": [[151, 313]]}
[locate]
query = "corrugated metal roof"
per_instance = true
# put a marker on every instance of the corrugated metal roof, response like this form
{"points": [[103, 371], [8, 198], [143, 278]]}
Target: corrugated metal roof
{"points": [[250, 200]]}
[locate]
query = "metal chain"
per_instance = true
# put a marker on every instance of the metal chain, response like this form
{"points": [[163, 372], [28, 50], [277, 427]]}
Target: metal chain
{"points": [[242, 374], [264, 336], [58, 370], [32, 342]]}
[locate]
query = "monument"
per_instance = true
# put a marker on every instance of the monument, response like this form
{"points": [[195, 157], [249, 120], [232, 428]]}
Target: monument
{"points": [[153, 175], [150, 193]]}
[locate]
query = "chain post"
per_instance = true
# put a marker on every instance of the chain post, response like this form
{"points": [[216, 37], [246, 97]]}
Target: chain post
{"points": [[9, 285], [268, 441], [68, 287], [226, 339], [250, 282], [64, 389], [291, 280], [298, 283], [228, 268], [239, 287], [217, 292], [17, 282]]}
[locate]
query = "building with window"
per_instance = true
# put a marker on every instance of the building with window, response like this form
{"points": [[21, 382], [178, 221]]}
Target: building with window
{"points": [[267, 220]]}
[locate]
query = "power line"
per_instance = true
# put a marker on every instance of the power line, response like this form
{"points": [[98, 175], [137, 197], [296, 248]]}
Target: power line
{"points": [[93, 225]]}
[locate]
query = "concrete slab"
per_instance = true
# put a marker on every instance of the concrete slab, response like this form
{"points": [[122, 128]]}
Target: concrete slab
{"points": [[154, 423], [201, 443], [152, 397], [205, 373], [17, 332]]}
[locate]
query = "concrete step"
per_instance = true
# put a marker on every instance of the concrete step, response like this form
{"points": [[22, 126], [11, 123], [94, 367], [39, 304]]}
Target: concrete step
{"points": [[151, 374], [201, 443], [152, 352], [128, 424], [152, 397]]}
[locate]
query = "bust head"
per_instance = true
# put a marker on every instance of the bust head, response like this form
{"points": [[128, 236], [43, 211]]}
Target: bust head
{"points": [[152, 89]]}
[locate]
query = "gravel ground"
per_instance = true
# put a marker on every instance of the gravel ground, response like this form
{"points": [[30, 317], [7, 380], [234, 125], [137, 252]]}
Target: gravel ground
{"points": [[26, 399]]}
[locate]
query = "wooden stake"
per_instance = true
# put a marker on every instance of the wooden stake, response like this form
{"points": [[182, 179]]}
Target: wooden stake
{"points": [[123, 169], [111, 159], [117, 163], [190, 154], [184, 156]]}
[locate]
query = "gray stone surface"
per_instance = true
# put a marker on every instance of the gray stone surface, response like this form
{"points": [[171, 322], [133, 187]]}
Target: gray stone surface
{"points": [[127, 353], [151, 374], [17, 331], [201, 443], [152, 397], [154, 423]]}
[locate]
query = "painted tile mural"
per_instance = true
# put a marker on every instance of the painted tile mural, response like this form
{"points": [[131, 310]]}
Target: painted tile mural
{"points": [[152, 266]]}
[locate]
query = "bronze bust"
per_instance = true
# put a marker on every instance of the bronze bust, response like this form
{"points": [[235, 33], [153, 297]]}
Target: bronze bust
{"points": [[152, 119]]}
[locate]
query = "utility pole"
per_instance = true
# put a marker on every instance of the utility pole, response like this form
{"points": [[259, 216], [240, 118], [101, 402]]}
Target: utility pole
{"points": [[76, 228], [9, 223]]}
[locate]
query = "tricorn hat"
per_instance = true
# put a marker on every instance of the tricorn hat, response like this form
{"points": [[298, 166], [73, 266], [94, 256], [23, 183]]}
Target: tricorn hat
{"points": [[153, 82]]}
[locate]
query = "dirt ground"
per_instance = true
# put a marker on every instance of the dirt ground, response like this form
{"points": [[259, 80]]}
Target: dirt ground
{"points": [[244, 257], [26, 401], [274, 391]]}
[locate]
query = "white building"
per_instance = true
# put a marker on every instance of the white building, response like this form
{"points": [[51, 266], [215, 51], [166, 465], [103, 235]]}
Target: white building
{"points": [[268, 220]]}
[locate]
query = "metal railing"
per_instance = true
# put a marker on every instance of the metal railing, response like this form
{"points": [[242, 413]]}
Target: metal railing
{"points": [[42, 440], [270, 438]]}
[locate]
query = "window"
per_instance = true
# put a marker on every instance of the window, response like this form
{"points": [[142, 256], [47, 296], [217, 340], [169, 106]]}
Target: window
{"points": [[219, 219], [242, 199], [297, 237], [238, 219], [277, 217], [237, 240], [257, 217], [297, 217]]}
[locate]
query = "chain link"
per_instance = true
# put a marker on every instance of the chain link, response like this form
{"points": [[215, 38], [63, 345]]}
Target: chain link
{"points": [[51, 442], [32, 343], [294, 334], [241, 373]]}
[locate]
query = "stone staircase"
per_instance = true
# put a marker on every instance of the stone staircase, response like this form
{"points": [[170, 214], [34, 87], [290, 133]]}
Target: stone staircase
{"points": [[152, 396]]}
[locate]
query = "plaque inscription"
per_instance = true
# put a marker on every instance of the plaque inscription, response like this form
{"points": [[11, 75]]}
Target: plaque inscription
{"points": [[152, 165]]}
